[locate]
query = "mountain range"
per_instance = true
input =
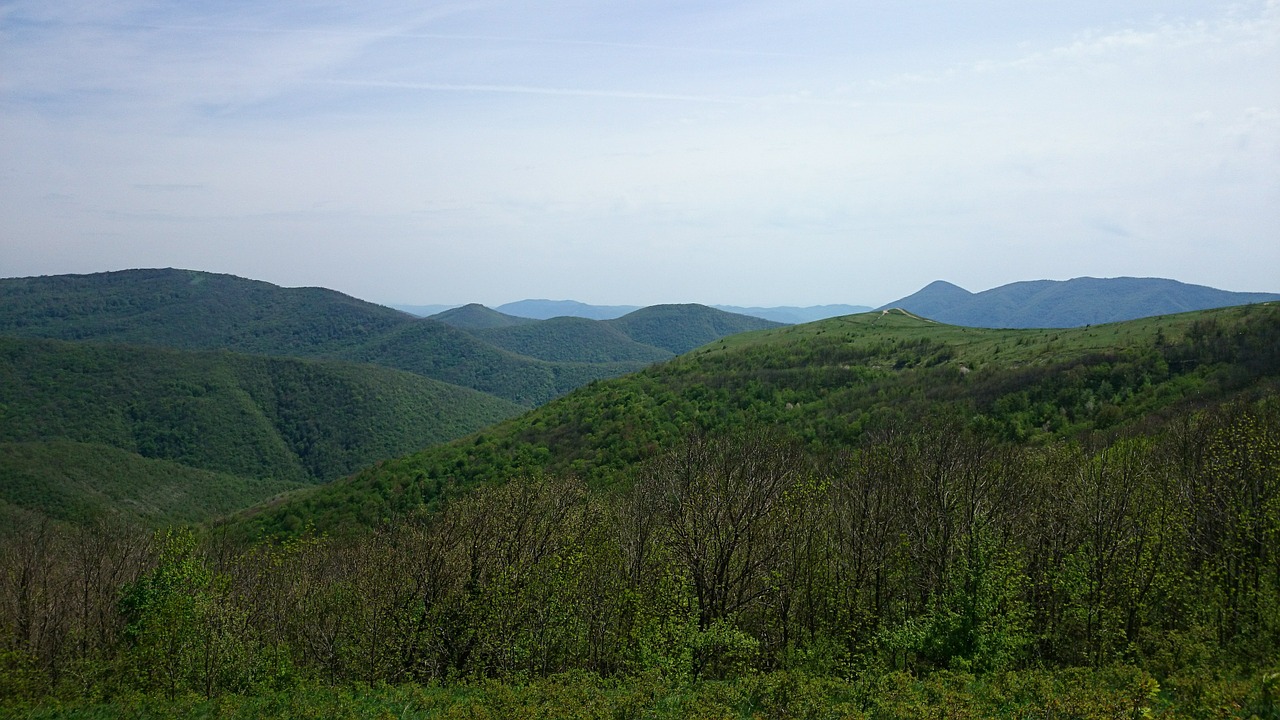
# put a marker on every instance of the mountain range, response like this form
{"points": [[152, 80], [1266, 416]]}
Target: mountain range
{"points": [[120, 390], [1067, 303], [193, 310], [263, 389], [548, 309], [828, 383], [860, 510], [1036, 303]]}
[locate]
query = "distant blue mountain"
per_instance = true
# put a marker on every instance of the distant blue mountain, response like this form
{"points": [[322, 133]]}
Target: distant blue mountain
{"points": [[1068, 303]]}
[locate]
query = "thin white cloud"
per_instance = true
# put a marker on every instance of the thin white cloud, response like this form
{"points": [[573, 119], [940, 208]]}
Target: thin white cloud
{"points": [[807, 152], [536, 90]]}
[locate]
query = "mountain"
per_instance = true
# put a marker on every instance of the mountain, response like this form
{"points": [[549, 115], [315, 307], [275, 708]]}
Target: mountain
{"points": [[1068, 303], [572, 339], [478, 317], [828, 383], [460, 357], [642, 336], [681, 328], [547, 309], [269, 422], [788, 315], [192, 310]]}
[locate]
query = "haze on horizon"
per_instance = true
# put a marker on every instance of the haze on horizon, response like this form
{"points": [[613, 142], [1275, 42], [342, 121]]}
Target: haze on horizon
{"points": [[746, 153]]}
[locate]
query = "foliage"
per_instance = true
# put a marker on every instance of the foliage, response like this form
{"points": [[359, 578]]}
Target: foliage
{"points": [[1084, 524], [262, 425], [932, 567], [827, 384], [527, 363], [82, 483]]}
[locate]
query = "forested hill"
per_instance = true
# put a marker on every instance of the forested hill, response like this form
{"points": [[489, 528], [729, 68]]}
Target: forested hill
{"points": [[191, 310], [646, 335], [1070, 303], [877, 516], [826, 384], [478, 317], [681, 328], [250, 417], [523, 361]]}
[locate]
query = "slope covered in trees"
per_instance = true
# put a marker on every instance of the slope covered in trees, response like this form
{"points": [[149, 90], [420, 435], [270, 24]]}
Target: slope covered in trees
{"points": [[568, 339], [874, 516], [826, 384], [84, 483], [681, 328], [192, 310], [478, 317], [932, 571], [266, 421]]}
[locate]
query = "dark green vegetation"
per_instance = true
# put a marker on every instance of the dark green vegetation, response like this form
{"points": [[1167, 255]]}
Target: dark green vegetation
{"points": [[824, 384], [932, 569], [1070, 303], [262, 424], [266, 422], [873, 516], [478, 317], [204, 311], [82, 483], [647, 335], [681, 328], [566, 339]]}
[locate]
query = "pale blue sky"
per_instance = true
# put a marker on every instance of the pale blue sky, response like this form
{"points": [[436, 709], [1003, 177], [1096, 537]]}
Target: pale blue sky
{"points": [[750, 153]]}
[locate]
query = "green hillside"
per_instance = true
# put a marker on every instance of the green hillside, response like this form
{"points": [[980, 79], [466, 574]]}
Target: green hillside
{"points": [[190, 310], [519, 360], [569, 339], [876, 516], [86, 483], [681, 328], [458, 357], [478, 317], [826, 384], [249, 416]]}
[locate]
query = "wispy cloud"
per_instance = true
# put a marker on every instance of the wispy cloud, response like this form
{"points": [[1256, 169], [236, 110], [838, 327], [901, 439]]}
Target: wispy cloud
{"points": [[416, 143]]}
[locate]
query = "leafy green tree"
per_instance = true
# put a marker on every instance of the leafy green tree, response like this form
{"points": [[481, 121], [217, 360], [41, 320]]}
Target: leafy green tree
{"points": [[183, 633]]}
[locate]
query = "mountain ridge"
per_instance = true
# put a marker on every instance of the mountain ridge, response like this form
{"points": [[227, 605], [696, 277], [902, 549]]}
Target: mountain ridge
{"points": [[1067, 303], [195, 310], [827, 383]]}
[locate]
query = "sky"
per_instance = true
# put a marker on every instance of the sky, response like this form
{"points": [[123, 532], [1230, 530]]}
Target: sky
{"points": [[643, 151]]}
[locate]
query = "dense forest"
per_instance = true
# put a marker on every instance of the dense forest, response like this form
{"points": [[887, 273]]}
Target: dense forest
{"points": [[157, 435], [190, 310], [824, 385], [1147, 565], [874, 516]]}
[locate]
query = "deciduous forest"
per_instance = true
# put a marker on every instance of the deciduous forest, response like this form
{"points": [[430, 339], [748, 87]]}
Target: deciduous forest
{"points": [[870, 517]]}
